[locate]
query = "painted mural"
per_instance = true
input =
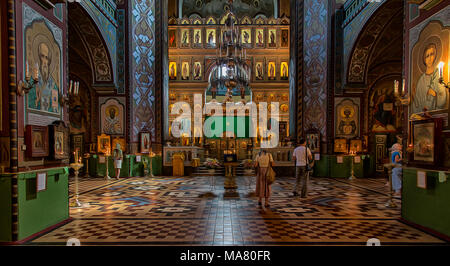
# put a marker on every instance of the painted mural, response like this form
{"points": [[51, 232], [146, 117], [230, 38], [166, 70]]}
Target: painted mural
{"points": [[216, 8], [43, 46], [112, 116], [346, 117], [142, 66], [432, 48], [315, 64]]}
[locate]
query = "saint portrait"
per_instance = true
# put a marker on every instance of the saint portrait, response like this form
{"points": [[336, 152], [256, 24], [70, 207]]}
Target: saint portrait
{"points": [[59, 142], [382, 111], [347, 117], [104, 144], [172, 70], [284, 70], [43, 52], [185, 70], [431, 48], [145, 142], [185, 37], [285, 38], [259, 37], [172, 38], [38, 141], [272, 38], [259, 71], [246, 36], [197, 37], [211, 37], [197, 70], [112, 120], [271, 71]]}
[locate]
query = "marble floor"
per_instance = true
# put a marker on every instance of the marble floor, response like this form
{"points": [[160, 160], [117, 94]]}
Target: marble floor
{"points": [[192, 211]]}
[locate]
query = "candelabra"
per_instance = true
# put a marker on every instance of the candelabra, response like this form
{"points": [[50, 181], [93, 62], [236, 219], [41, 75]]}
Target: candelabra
{"points": [[24, 87], [402, 97], [74, 87], [441, 76], [352, 176]]}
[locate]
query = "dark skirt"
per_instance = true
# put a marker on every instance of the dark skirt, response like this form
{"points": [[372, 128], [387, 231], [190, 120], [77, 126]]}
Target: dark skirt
{"points": [[262, 188]]}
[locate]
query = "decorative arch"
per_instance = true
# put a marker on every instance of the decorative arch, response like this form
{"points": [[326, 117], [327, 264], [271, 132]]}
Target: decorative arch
{"points": [[368, 38], [94, 45]]}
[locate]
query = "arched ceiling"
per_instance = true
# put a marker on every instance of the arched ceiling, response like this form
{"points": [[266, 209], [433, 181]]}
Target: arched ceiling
{"points": [[85, 39], [217, 8], [380, 41]]}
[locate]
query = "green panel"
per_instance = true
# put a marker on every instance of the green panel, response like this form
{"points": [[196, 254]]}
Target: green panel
{"points": [[241, 126], [40, 210], [426, 207], [321, 167], [5, 209]]}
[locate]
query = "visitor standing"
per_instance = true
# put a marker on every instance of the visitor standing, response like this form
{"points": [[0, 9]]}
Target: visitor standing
{"points": [[302, 156], [263, 161], [397, 172], [118, 158]]}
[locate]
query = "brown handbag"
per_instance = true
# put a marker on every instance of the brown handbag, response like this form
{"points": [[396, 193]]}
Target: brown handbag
{"points": [[270, 176]]}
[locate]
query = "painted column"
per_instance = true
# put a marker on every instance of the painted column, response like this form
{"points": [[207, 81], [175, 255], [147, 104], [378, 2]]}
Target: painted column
{"points": [[315, 54], [142, 69]]}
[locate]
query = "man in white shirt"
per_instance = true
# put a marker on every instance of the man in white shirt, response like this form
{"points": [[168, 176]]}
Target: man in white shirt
{"points": [[301, 174]]}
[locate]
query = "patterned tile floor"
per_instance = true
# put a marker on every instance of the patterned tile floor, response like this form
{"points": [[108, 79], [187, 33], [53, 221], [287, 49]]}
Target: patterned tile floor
{"points": [[177, 211]]}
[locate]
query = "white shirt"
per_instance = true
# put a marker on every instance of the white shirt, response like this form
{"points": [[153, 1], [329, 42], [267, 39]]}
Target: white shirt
{"points": [[299, 154]]}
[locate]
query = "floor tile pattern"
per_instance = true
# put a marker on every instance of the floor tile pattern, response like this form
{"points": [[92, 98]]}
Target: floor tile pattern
{"points": [[181, 211]]}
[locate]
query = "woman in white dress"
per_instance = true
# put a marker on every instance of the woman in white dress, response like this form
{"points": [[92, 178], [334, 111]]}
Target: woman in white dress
{"points": [[118, 158]]}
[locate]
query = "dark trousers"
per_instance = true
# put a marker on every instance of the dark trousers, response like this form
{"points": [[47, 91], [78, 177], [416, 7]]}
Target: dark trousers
{"points": [[302, 178]]}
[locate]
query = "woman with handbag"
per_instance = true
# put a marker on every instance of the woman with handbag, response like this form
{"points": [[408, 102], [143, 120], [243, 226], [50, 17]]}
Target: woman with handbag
{"points": [[264, 162]]}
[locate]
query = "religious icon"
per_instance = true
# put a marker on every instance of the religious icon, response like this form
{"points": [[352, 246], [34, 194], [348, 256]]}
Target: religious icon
{"points": [[197, 70], [185, 37], [173, 70], [356, 145], [172, 38], [145, 141], [259, 71], [112, 123], [121, 141], [185, 70], [284, 70], [313, 141], [430, 50], [246, 37], [382, 110], [197, 37], [259, 37], [59, 134], [36, 141], [340, 146], [103, 144], [43, 52], [272, 38], [271, 71], [211, 37], [347, 117], [284, 38]]}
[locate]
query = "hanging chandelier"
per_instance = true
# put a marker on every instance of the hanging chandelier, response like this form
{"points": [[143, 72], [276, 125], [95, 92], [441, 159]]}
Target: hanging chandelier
{"points": [[230, 75]]}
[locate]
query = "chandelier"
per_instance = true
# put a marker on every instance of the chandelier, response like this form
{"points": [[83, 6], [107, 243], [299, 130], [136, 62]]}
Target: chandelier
{"points": [[230, 75]]}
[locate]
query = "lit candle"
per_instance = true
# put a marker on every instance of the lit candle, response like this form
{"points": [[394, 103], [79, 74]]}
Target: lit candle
{"points": [[27, 70], [396, 86], [403, 86], [441, 69], [70, 86], [36, 72]]}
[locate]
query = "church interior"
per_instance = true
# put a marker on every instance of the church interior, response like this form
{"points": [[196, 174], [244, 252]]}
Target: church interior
{"points": [[143, 122]]}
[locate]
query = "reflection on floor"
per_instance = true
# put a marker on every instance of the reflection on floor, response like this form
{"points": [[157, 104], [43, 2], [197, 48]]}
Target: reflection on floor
{"points": [[172, 211]]}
